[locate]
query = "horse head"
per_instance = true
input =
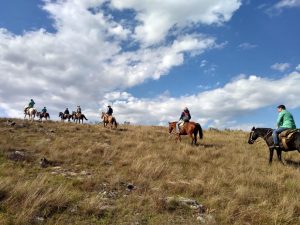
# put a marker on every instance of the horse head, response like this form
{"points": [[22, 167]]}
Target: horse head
{"points": [[60, 114], [172, 126], [252, 136]]}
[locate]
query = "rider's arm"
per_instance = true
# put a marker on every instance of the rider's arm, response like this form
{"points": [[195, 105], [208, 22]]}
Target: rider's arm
{"points": [[280, 119]]}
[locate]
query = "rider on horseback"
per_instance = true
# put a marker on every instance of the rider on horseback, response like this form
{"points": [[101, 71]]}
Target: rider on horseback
{"points": [[185, 117], [78, 111], [109, 110], [285, 121], [66, 112], [30, 105], [44, 111]]}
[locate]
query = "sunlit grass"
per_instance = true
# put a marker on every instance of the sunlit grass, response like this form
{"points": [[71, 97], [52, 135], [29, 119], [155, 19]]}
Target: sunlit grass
{"points": [[88, 183]]}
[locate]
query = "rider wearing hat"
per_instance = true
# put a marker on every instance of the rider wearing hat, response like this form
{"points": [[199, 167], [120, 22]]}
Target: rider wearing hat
{"points": [[109, 110], [78, 109], [185, 117]]}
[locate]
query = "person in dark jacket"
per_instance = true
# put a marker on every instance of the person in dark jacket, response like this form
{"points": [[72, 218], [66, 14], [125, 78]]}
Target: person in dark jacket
{"points": [[66, 112], [78, 109], [184, 117], [109, 110]]}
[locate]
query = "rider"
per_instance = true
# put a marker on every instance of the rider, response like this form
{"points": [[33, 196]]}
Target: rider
{"points": [[78, 111], [109, 110], [30, 105], [44, 111], [185, 117], [66, 112], [285, 121]]}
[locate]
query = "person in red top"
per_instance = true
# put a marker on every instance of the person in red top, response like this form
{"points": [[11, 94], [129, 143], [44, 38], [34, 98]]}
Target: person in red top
{"points": [[185, 117]]}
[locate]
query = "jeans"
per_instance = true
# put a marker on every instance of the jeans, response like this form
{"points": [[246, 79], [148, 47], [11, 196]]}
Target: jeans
{"points": [[275, 134]]}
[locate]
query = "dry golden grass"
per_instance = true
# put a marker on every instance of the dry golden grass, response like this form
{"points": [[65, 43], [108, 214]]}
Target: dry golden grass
{"points": [[93, 166]]}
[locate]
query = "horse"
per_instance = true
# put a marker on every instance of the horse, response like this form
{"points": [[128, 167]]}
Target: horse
{"points": [[30, 112], [43, 115], [78, 116], [189, 128], [266, 134], [109, 120], [65, 116]]}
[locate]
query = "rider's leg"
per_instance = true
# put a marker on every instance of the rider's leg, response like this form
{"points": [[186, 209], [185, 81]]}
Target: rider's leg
{"points": [[275, 134]]}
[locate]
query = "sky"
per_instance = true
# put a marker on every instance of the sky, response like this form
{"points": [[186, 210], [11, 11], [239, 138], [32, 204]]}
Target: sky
{"points": [[230, 62]]}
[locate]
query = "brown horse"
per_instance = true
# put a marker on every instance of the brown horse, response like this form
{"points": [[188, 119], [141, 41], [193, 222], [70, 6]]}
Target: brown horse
{"points": [[43, 115], [78, 116], [65, 116], [189, 128], [109, 120]]}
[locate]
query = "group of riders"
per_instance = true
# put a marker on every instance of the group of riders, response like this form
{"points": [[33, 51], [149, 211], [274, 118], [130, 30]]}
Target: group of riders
{"points": [[66, 113], [285, 119], [31, 105]]}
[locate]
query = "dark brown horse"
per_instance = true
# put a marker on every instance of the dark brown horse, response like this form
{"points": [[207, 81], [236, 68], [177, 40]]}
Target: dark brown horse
{"points": [[65, 116], [42, 115], [78, 116], [189, 128], [266, 134]]}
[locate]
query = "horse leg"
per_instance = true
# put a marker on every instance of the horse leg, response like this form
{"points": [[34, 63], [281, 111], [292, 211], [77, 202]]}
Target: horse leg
{"points": [[278, 151], [191, 135], [271, 155]]}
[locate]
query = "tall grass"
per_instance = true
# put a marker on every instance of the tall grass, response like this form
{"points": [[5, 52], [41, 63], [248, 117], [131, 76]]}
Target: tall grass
{"points": [[94, 166]]}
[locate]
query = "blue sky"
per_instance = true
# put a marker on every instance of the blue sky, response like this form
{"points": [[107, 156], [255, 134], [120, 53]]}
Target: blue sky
{"points": [[231, 62]]}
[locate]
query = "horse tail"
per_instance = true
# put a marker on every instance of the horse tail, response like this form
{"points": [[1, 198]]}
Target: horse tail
{"points": [[199, 130], [84, 117], [115, 122]]}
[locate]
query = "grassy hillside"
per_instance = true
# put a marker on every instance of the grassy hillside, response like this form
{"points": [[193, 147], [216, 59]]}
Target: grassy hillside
{"points": [[138, 175]]}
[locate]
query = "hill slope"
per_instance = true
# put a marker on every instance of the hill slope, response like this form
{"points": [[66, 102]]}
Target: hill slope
{"points": [[138, 175]]}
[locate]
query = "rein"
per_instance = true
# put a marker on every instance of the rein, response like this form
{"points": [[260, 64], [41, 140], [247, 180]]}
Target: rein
{"points": [[264, 137]]}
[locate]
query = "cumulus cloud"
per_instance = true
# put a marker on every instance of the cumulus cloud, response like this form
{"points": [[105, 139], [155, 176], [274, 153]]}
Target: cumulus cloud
{"points": [[280, 66], [217, 108], [86, 57], [157, 17], [298, 67]]}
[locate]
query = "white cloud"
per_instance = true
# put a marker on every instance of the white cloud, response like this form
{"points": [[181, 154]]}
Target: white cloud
{"points": [[287, 4], [218, 107], [85, 57], [157, 17], [277, 8], [298, 67], [247, 46], [280, 66]]}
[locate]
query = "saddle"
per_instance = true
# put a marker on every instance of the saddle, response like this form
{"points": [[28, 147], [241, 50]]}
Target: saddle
{"points": [[286, 137]]}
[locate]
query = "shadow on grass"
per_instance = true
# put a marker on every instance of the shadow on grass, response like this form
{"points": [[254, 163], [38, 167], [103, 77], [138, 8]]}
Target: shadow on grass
{"points": [[292, 163], [210, 145]]}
